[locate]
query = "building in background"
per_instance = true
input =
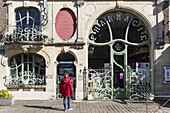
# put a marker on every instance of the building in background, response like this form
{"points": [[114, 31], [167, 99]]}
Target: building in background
{"points": [[111, 49], [3, 19]]}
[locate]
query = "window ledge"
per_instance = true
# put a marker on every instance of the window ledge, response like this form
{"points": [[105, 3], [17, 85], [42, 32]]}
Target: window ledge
{"points": [[166, 83]]}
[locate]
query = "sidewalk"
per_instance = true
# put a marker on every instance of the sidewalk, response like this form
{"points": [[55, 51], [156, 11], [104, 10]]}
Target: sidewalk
{"points": [[56, 106]]}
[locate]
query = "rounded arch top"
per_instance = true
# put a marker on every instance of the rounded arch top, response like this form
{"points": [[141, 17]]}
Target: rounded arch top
{"points": [[120, 23], [130, 10], [10, 54], [66, 56], [21, 7]]}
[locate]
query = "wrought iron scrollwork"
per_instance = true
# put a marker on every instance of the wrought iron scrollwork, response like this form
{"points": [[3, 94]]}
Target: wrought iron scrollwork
{"points": [[139, 87], [98, 84], [44, 12], [25, 79], [25, 33]]}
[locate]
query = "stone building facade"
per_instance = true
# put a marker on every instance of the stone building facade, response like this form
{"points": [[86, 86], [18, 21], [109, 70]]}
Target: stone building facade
{"points": [[111, 49]]}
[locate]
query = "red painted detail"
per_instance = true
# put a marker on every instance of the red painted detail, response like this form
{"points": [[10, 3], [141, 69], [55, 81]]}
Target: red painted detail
{"points": [[65, 23]]}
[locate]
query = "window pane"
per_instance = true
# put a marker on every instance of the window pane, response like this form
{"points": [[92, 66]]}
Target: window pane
{"points": [[27, 69], [27, 24]]}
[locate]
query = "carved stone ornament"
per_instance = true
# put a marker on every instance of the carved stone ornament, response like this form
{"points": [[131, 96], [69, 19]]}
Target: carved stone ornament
{"points": [[3, 61], [25, 48]]}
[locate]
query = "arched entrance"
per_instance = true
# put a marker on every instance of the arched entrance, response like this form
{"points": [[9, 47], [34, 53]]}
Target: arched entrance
{"points": [[118, 57], [66, 62]]}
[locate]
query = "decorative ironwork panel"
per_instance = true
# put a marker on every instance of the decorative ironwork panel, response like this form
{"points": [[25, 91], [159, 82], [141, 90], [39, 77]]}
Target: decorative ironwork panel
{"points": [[139, 85], [26, 70], [26, 34], [99, 84], [27, 28], [44, 12]]}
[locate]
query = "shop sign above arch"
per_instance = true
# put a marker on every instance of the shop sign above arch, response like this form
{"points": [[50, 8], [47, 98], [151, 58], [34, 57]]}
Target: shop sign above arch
{"points": [[119, 26]]}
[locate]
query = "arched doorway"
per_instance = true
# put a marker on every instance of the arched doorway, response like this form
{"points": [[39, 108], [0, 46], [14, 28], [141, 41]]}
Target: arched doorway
{"points": [[119, 57], [66, 63]]}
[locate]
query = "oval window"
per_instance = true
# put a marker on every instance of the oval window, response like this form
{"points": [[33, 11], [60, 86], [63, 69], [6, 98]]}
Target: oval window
{"points": [[65, 23]]}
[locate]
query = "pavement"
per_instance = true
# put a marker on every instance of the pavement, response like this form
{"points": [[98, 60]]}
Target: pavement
{"points": [[114, 106]]}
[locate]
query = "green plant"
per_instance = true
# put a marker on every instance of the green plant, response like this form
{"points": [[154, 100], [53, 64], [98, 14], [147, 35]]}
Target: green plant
{"points": [[5, 94]]}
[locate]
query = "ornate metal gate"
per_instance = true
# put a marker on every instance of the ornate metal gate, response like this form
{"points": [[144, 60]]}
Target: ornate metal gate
{"points": [[139, 85], [98, 84]]}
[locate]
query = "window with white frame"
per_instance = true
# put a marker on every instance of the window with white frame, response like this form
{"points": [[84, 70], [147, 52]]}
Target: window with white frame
{"points": [[28, 25], [166, 74]]}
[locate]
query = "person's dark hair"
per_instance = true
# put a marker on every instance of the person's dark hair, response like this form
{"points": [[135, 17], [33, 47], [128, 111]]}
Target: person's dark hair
{"points": [[65, 72]]}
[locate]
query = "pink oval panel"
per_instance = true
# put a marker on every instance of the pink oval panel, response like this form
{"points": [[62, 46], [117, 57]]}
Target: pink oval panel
{"points": [[65, 23]]}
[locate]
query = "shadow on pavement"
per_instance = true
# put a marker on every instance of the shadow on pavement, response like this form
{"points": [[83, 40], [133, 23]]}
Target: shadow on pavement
{"points": [[43, 107], [121, 101], [163, 103]]}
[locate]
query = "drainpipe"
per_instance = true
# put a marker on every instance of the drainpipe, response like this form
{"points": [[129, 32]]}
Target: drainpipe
{"points": [[52, 38], [157, 43], [77, 11], [156, 5]]}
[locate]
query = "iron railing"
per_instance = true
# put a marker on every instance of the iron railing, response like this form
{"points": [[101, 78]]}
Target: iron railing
{"points": [[25, 34], [26, 79], [98, 85]]}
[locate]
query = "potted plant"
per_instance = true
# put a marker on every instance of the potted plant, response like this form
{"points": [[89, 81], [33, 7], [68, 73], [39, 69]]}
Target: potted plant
{"points": [[6, 98]]}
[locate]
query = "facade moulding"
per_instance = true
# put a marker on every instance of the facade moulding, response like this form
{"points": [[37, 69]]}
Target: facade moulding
{"points": [[14, 49], [72, 53], [99, 0], [46, 56], [74, 45], [46, 43]]}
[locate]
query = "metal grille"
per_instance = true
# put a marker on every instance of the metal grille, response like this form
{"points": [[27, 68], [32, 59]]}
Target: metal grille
{"points": [[26, 70], [139, 86], [25, 34], [98, 84]]}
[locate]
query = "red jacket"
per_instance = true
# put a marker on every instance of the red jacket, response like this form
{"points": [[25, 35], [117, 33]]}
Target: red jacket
{"points": [[66, 87]]}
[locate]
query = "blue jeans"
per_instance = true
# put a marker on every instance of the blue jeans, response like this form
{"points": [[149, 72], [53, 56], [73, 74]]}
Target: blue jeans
{"points": [[68, 102]]}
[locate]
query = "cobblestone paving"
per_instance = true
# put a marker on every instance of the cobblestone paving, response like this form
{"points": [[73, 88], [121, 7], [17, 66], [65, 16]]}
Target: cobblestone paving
{"points": [[56, 106]]}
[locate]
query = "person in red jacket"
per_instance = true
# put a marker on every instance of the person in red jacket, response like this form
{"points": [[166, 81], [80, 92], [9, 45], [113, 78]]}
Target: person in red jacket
{"points": [[66, 90]]}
